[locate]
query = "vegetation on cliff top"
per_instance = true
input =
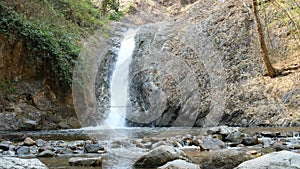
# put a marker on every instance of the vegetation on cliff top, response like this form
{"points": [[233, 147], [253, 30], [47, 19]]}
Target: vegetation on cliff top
{"points": [[54, 31]]}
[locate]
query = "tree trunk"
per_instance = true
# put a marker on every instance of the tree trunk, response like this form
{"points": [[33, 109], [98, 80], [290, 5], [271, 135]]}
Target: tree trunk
{"points": [[263, 47], [104, 7]]}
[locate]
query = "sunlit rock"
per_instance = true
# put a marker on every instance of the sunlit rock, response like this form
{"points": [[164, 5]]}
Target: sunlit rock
{"points": [[11, 162], [29, 142], [278, 160], [179, 164], [87, 162], [159, 156]]}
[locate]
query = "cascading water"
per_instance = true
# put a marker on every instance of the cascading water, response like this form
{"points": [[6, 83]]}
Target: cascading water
{"points": [[119, 82]]}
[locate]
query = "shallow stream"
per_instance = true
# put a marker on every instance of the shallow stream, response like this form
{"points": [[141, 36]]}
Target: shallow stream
{"points": [[120, 158]]}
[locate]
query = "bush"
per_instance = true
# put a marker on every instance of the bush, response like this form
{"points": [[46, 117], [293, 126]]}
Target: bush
{"points": [[53, 34], [53, 53]]}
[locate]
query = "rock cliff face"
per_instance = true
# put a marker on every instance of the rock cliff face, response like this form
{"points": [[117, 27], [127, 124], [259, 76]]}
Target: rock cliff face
{"points": [[202, 67], [27, 101], [13, 65], [196, 63], [180, 68]]}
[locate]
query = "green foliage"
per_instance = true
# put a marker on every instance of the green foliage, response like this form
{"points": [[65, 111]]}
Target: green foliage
{"points": [[114, 5], [53, 31], [83, 12], [8, 86], [115, 16], [54, 54], [111, 8]]}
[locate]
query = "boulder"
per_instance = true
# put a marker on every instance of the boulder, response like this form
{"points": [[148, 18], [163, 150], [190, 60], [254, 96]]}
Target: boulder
{"points": [[4, 147], [40, 142], [222, 130], [157, 144], [87, 162], [12, 162], [278, 146], [265, 141], [179, 164], [209, 143], [279, 160], [41, 149], [249, 141], [93, 148], [160, 156], [10, 153], [29, 142], [46, 153], [235, 137], [219, 159], [33, 108], [269, 134], [190, 150], [148, 145], [25, 151]]}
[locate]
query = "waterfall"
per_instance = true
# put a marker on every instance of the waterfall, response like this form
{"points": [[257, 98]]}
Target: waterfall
{"points": [[119, 82]]}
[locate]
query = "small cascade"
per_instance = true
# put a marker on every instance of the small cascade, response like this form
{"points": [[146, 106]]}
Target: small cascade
{"points": [[119, 82]]}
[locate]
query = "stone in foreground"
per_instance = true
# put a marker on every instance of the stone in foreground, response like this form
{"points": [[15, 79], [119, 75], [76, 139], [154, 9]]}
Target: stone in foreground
{"points": [[209, 143], [29, 142], [179, 164], [87, 162], [190, 150], [12, 162], [46, 153], [219, 159], [160, 156], [93, 148], [279, 160]]}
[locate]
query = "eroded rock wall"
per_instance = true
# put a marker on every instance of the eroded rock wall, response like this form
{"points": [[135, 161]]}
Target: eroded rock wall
{"points": [[13, 63], [27, 100], [203, 68]]}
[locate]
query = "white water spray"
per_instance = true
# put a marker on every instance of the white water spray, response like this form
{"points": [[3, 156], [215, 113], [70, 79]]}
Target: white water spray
{"points": [[119, 82]]}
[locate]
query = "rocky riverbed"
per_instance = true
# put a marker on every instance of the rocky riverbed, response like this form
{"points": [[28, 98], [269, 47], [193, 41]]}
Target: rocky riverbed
{"points": [[217, 147]]}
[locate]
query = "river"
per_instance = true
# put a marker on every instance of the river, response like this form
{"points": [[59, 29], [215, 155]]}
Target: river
{"points": [[120, 157]]}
